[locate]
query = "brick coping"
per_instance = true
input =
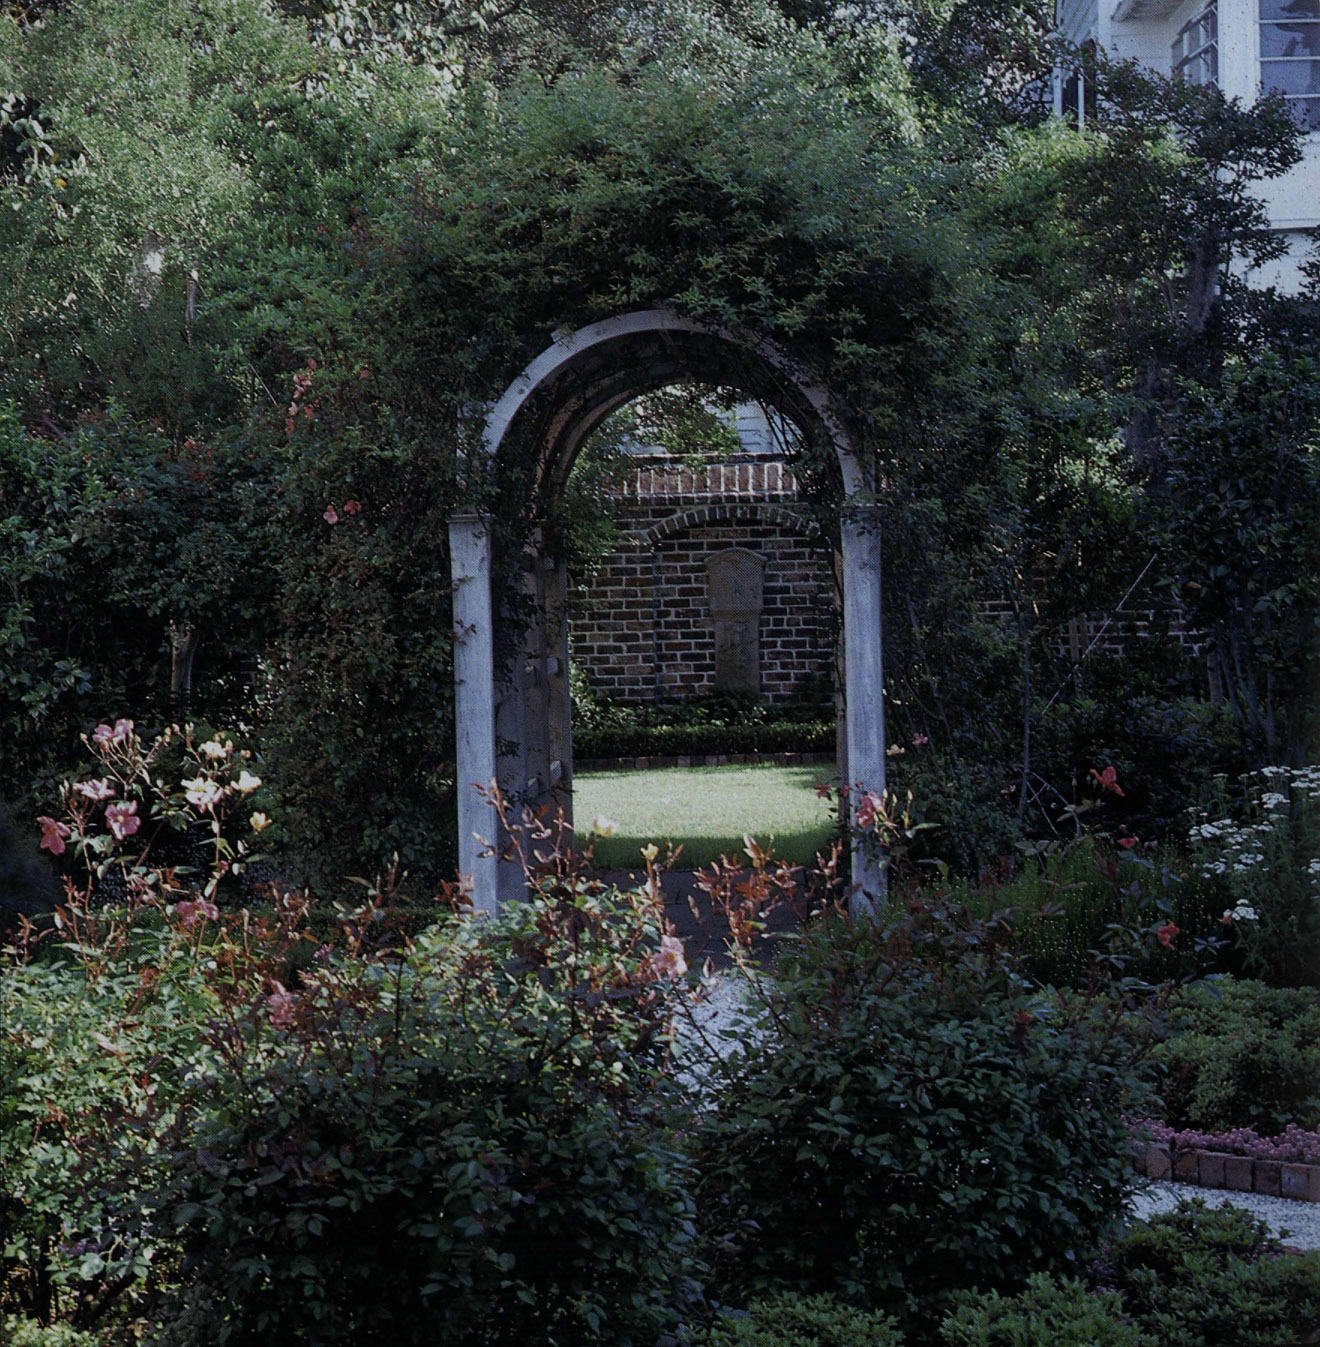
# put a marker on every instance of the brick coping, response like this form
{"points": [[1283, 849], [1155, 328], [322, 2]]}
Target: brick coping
{"points": [[644, 762], [1220, 1169]]}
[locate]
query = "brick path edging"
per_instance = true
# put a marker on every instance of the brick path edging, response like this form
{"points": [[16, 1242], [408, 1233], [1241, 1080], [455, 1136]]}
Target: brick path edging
{"points": [[1219, 1169]]}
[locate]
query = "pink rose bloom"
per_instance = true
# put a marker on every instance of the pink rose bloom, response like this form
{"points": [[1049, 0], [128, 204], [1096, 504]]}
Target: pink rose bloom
{"points": [[669, 960], [868, 807], [103, 734], [122, 819], [280, 1005], [352, 507], [96, 790], [188, 913], [203, 792], [331, 516], [53, 834], [1166, 934]]}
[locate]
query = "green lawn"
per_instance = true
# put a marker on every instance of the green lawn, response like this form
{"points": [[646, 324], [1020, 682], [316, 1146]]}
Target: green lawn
{"points": [[708, 809]]}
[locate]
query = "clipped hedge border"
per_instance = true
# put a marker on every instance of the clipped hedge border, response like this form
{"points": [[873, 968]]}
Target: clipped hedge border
{"points": [[647, 761], [1220, 1169], [697, 741]]}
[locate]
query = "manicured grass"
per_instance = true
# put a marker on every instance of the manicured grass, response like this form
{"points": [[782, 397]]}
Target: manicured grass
{"points": [[708, 809]]}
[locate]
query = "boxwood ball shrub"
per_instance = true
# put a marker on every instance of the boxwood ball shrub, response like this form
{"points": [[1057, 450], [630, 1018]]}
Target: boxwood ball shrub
{"points": [[1047, 1313], [1240, 1053], [804, 1321], [1196, 1275], [901, 1118]]}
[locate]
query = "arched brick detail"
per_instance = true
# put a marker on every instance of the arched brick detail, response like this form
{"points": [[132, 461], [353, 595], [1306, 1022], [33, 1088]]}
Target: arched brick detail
{"points": [[741, 512]]}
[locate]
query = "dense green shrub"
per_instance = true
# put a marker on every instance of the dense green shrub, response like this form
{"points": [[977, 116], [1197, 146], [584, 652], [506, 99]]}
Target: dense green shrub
{"points": [[1241, 1054], [805, 1321], [1048, 1313], [15, 1332], [1201, 1277], [720, 723], [1192, 1277], [902, 1118]]}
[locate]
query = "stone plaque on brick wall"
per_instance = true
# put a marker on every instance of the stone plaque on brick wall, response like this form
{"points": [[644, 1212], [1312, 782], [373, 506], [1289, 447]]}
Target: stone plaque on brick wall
{"points": [[735, 588]]}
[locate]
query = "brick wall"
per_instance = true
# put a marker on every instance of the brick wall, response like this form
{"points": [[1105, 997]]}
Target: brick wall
{"points": [[641, 624]]}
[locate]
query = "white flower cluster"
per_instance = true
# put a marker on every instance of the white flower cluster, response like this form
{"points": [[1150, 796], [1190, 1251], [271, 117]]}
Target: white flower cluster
{"points": [[1229, 847]]}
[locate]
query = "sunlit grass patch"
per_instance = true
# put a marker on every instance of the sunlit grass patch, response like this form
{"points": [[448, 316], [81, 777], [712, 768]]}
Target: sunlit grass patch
{"points": [[707, 809]]}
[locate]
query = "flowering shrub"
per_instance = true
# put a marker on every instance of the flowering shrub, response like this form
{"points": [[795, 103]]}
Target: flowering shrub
{"points": [[1294, 1145], [1266, 855], [130, 833], [463, 1135]]}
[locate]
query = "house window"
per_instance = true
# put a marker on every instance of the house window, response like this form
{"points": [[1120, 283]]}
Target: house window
{"points": [[1290, 54], [1195, 53]]}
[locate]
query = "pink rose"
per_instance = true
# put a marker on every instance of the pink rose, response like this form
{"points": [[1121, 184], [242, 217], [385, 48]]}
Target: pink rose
{"points": [[280, 1006], [868, 808], [103, 734], [122, 819], [331, 515], [188, 912], [96, 790], [53, 834], [669, 960]]}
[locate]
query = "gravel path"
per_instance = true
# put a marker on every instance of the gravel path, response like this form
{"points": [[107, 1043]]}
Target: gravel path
{"points": [[1296, 1223]]}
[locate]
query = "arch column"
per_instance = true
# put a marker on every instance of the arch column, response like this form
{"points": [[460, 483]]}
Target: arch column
{"points": [[864, 683], [474, 706]]}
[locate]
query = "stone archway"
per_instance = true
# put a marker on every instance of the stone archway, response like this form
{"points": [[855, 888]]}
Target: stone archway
{"points": [[549, 410]]}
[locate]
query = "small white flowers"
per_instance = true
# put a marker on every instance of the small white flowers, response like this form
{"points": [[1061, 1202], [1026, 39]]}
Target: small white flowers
{"points": [[1256, 857], [246, 782], [214, 749], [604, 827], [259, 822]]}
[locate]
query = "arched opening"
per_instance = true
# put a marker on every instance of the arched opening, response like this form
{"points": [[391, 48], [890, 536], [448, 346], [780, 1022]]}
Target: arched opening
{"points": [[513, 708]]}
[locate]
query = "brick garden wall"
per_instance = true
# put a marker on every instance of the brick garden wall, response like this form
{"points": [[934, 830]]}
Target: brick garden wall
{"points": [[641, 624]]}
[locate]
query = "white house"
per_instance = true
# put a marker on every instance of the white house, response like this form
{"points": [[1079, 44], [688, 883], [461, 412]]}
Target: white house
{"points": [[1242, 46]]}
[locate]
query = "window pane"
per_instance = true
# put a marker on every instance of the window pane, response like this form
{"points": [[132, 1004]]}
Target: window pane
{"points": [[1291, 77], [1308, 110], [1290, 9], [1290, 39]]}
